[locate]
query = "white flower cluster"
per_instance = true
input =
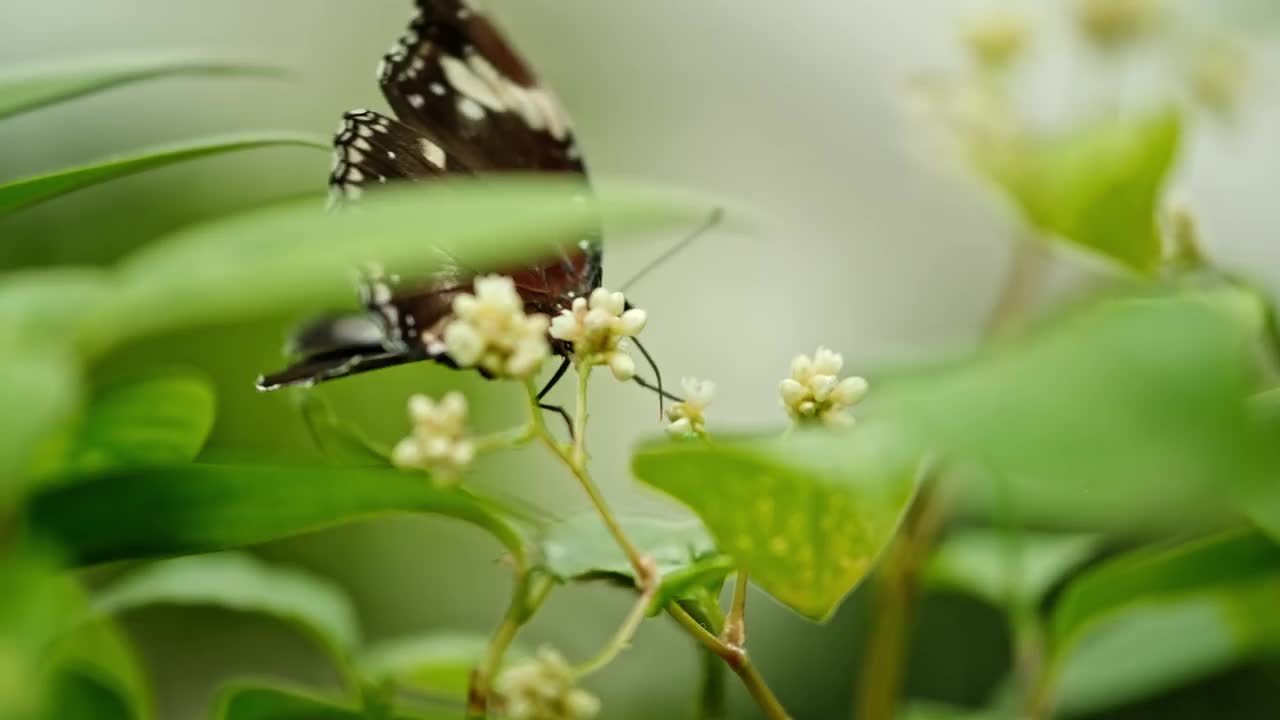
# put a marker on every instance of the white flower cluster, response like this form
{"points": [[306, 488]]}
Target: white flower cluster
{"points": [[439, 442], [596, 328], [542, 689], [689, 417], [492, 332], [815, 391]]}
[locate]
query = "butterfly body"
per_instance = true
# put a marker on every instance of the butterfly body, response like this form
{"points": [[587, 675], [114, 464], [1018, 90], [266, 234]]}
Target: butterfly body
{"points": [[466, 103]]}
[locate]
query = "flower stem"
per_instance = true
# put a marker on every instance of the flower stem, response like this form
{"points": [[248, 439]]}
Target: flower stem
{"points": [[526, 598], [735, 626], [574, 458], [622, 638], [737, 660]]}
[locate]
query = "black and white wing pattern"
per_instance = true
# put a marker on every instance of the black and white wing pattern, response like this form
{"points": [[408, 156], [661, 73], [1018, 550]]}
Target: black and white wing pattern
{"points": [[465, 103]]}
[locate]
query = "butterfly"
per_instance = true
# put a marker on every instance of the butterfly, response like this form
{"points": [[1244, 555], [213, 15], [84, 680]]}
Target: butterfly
{"points": [[465, 103]]}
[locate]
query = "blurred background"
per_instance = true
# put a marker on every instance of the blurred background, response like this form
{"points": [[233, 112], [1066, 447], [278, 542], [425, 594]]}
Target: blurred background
{"points": [[865, 234]]}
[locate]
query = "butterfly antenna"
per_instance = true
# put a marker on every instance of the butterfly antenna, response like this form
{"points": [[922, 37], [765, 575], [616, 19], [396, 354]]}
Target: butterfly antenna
{"points": [[657, 374], [712, 221]]}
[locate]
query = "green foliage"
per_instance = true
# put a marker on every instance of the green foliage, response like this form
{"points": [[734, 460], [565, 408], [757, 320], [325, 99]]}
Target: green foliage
{"points": [[47, 387], [581, 548], [197, 508], [275, 703], [34, 612], [26, 192], [25, 89], [158, 421], [96, 674], [1204, 605], [806, 515], [438, 664], [1096, 186], [240, 582], [1128, 415], [1005, 568]]}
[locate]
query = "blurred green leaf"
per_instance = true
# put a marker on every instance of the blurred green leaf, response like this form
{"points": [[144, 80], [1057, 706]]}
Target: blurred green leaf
{"points": [[1163, 642], [97, 673], [1129, 415], [276, 703], [806, 514], [35, 610], [438, 664], [295, 257], [45, 307], [1003, 567], [80, 694], [1225, 559], [159, 421], [200, 508], [235, 581], [23, 89], [42, 394], [246, 702], [1206, 605], [26, 192], [922, 710], [581, 548], [1096, 186]]}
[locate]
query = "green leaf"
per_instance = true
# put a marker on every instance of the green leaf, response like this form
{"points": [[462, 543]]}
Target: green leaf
{"points": [[581, 548], [921, 710], [47, 389], [1003, 568], [200, 508], [35, 610], [438, 664], [46, 307], [1162, 643], [95, 667], [1129, 415], [806, 515], [1096, 186], [1206, 605], [295, 257], [248, 702], [275, 703], [26, 192], [1225, 559], [159, 421], [24, 89], [315, 606], [341, 442]]}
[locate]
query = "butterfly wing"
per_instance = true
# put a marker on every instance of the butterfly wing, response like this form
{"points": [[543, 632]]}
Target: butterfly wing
{"points": [[466, 103]]}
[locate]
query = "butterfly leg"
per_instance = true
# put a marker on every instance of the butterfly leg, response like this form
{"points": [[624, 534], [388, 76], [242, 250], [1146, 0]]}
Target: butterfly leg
{"points": [[555, 378]]}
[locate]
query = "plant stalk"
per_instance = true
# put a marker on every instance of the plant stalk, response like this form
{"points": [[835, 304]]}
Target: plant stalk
{"points": [[735, 626], [737, 660], [527, 596], [622, 638]]}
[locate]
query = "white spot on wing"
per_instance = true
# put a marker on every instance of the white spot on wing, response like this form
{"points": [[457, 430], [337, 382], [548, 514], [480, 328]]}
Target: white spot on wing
{"points": [[433, 153], [471, 109], [464, 80], [417, 100]]}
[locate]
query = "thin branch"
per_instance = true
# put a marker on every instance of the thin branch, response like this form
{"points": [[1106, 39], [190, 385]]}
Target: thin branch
{"points": [[622, 638], [737, 660]]}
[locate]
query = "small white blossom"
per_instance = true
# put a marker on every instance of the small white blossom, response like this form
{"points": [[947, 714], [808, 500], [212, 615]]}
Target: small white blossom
{"points": [[596, 328], [542, 689], [689, 417], [815, 391], [438, 442], [492, 332]]}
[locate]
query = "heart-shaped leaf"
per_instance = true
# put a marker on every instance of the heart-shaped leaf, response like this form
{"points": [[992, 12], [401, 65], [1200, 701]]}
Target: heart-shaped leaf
{"points": [[805, 515], [581, 548]]}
